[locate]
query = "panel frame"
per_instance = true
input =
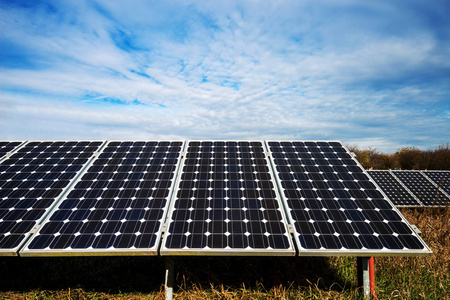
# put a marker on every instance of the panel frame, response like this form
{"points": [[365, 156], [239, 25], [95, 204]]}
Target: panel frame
{"points": [[26, 252], [164, 251], [48, 211], [361, 253]]}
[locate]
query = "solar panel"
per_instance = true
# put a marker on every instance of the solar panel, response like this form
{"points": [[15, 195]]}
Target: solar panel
{"points": [[31, 180], [440, 178], [6, 147], [226, 203], [335, 207], [394, 189], [424, 189], [118, 205]]}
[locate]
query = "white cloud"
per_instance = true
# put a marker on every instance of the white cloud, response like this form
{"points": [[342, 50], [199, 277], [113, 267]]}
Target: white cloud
{"points": [[281, 70]]}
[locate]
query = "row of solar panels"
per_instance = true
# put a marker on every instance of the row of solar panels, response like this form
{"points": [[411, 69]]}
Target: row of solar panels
{"points": [[414, 188], [61, 198]]}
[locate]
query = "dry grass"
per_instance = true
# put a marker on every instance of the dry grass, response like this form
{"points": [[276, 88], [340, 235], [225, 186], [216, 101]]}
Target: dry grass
{"points": [[237, 277], [421, 277]]}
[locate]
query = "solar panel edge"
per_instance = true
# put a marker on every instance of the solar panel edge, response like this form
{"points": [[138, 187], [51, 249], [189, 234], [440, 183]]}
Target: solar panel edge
{"points": [[24, 250], [164, 251], [78, 253], [367, 253], [319, 252], [225, 252], [104, 252]]}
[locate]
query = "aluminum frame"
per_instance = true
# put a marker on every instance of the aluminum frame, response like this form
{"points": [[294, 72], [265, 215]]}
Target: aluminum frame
{"points": [[365, 253], [164, 251], [106, 252]]}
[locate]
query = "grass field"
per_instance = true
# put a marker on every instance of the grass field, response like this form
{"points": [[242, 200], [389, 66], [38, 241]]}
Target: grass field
{"points": [[237, 277]]}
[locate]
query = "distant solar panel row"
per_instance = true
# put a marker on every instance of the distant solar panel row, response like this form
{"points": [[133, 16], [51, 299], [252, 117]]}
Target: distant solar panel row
{"points": [[205, 197], [397, 192], [440, 178], [424, 190], [414, 188]]}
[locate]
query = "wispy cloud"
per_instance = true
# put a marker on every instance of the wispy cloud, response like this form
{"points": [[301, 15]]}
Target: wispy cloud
{"points": [[374, 74]]}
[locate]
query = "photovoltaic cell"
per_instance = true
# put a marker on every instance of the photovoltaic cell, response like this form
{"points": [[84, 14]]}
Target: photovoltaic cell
{"points": [[6, 147], [425, 190], [335, 207], [226, 203], [440, 178], [30, 181], [396, 192], [117, 206]]}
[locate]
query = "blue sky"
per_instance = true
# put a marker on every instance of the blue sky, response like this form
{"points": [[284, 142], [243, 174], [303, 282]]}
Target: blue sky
{"points": [[372, 74]]}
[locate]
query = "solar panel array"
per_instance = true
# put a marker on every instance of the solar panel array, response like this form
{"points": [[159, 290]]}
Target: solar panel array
{"points": [[117, 206], [440, 178], [31, 180], [422, 188], [334, 205], [226, 202], [62, 198], [394, 189]]}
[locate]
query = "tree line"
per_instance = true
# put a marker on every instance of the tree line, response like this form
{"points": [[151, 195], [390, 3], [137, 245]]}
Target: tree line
{"points": [[407, 158]]}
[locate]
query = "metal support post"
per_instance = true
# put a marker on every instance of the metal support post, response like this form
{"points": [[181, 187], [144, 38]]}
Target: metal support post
{"points": [[373, 292], [169, 278], [363, 276]]}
